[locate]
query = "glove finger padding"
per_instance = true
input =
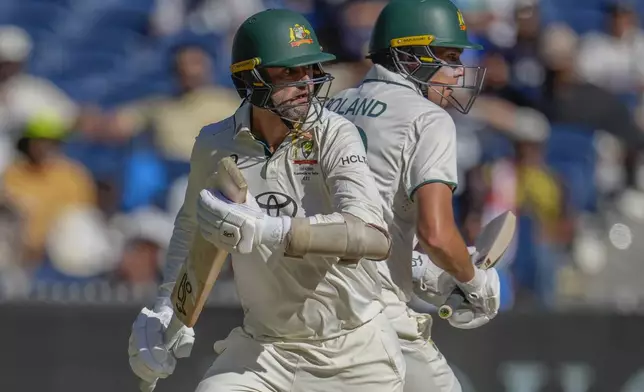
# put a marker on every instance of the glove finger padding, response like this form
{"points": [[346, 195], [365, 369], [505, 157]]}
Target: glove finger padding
{"points": [[484, 291], [492, 300], [182, 346], [147, 370], [149, 358], [152, 356], [468, 319], [430, 282]]}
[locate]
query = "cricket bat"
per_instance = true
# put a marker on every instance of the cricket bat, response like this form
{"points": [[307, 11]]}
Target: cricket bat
{"points": [[491, 244], [205, 261]]}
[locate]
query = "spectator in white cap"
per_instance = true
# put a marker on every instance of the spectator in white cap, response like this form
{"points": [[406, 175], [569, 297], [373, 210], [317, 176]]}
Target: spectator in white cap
{"points": [[23, 95]]}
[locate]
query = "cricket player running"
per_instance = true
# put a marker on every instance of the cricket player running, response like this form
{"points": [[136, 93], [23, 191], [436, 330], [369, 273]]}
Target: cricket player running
{"points": [[314, 316], [416, 47]]}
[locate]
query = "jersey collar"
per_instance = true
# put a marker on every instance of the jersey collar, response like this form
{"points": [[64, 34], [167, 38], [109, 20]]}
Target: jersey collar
{"points": [[242, 130], [242, 119], [378, 73]]}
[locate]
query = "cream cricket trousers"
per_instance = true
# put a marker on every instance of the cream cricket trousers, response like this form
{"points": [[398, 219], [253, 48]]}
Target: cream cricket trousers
{"points": [[368, 358], [427, 368]]}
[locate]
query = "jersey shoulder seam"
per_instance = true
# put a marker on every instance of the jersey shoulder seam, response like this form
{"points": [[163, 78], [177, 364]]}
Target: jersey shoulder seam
{"points": [[214, 129]]}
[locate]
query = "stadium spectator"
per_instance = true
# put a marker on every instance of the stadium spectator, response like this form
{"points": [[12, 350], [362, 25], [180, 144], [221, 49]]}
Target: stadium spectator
{"points": [[177, 120], [222, 16], [22, 95], [168, 16], [356, 20], [497, 80], [42, 183], [613, 59], [80, 247], [527, 73], [570, 101], [146, 234]]}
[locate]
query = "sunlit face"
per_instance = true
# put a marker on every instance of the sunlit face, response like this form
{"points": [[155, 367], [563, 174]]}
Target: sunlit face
{"points": [[293, 89], [448, 76]]}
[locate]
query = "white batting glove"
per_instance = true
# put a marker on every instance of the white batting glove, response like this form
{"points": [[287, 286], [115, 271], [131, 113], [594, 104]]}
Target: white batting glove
{"points": [[483, 294], [433, 285], [238, 228], [464, 318], [152, 354], [425, 276]]}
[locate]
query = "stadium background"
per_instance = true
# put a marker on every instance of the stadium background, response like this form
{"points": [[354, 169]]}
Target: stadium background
{"points": [[107, 97]]}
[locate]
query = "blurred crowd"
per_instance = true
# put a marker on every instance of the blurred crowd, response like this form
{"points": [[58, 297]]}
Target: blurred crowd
{"points": [[100, 102]]}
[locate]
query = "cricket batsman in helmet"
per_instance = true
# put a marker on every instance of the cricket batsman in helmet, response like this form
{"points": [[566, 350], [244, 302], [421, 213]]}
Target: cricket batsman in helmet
{"points": [[305, 244], [415, 47]]}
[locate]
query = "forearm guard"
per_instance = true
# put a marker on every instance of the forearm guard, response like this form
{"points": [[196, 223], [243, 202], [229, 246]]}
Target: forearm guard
{"points": [[352, 239]]}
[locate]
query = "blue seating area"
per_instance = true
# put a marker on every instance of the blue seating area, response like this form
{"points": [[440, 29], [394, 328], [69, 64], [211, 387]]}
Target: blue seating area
{"points": [[100, 51], [78, 43], [582, 15], [78, 40]]}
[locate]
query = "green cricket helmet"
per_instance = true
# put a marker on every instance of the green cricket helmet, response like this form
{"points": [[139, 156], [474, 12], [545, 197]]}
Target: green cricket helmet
{"points": [[276, 38], [404, 38]]}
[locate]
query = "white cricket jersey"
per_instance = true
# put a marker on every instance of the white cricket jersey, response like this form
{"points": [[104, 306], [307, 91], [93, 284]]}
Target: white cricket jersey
{"points": [[320, 171], [410, 142]]}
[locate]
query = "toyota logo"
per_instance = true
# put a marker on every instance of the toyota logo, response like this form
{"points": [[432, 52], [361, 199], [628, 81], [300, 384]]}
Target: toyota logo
{"points": [[277, 204]]}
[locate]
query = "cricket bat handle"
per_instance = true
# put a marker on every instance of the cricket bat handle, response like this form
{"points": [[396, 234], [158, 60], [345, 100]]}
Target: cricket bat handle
{"points": [[454, 301]]}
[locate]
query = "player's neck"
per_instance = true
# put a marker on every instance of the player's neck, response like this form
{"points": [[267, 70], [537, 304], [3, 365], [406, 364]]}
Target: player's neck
{"points": [[269, 127]]}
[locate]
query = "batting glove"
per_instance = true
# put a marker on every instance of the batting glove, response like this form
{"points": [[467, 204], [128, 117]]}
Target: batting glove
{"points": [[433, 285], [153, 353], [483, 294], [238, 228], [427, 282]]}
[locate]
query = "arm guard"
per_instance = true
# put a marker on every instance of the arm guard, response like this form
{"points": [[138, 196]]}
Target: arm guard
{"points": [[351, 239]]}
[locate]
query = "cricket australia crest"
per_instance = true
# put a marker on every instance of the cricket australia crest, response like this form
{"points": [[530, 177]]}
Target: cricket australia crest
{"points": [[304, 150], [299, 35], [304, 154]]}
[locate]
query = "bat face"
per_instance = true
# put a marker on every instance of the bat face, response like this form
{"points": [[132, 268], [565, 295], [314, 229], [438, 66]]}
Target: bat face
{"points": [[494, 240]]}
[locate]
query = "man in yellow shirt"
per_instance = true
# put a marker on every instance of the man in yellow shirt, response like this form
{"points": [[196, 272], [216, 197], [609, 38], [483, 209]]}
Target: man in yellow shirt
{"points": [[176, 120], [42, 183]]}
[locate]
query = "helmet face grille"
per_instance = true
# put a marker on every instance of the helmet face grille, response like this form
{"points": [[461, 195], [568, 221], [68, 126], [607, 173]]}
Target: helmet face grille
{"points": [[419, 64], [256, 87]]}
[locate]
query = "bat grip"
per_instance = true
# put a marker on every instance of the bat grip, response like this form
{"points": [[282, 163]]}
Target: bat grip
{"points": [[454, 301]]}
